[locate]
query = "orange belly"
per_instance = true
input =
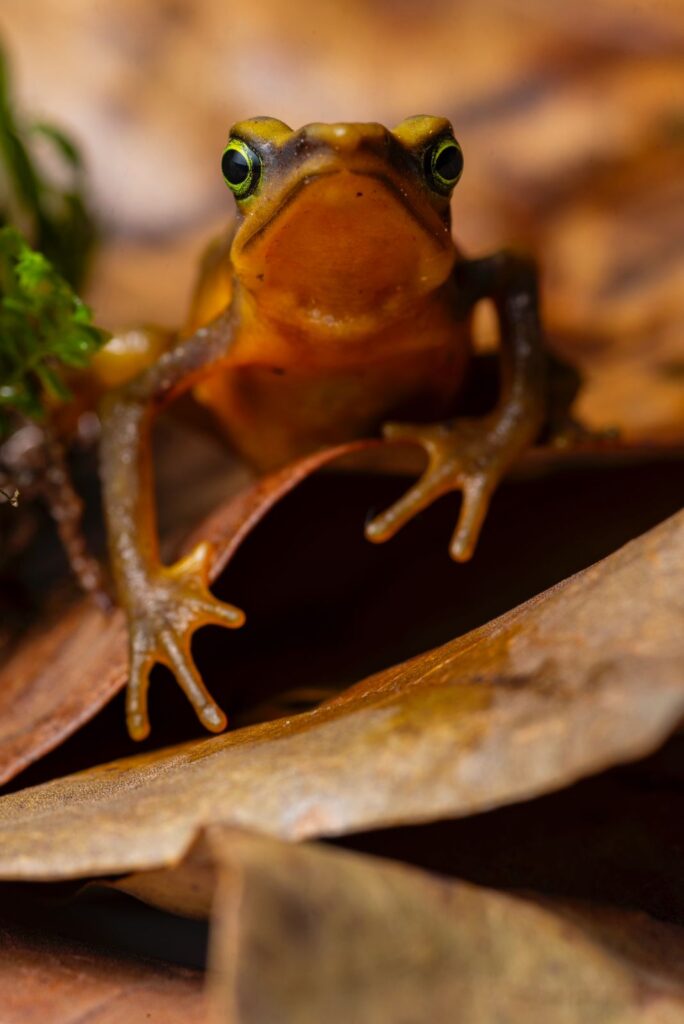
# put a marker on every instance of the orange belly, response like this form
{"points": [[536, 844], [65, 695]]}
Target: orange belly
{"points": [[279, 401]]}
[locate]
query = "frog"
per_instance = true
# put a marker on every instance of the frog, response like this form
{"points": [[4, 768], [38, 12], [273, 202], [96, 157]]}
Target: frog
{"points": [[338, 307]]}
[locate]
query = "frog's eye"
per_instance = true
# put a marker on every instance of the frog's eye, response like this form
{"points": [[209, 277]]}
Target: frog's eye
{"points": [[241, 168], [444, 165]]}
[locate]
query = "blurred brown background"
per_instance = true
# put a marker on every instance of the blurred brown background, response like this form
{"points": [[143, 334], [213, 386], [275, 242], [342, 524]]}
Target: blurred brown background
{"points": [[571, 118]]}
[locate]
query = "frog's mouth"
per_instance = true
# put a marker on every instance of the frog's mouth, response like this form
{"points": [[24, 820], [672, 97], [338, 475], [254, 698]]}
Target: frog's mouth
{"points": [[344, 246]]}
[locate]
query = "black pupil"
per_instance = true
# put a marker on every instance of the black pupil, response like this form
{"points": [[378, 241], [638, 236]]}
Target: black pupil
{"points": [[449, 163], [235, 166]]}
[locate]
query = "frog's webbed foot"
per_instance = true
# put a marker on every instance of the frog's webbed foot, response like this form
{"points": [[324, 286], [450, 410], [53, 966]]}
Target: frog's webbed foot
{"points": [[165, 610], [465, 455]]}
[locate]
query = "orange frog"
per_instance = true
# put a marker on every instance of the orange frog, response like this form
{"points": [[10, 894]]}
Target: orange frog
{"points": [[339, 301]]}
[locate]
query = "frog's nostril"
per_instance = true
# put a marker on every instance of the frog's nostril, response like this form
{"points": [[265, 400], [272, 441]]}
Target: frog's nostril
{"points": [[345, 137]]}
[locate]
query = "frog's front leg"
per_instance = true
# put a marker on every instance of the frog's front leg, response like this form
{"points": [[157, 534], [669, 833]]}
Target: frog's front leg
{"points": [[164, 604], [471, 455]]}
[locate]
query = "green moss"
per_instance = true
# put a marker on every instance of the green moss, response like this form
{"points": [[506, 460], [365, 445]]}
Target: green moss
{"points": [[44, 328]]}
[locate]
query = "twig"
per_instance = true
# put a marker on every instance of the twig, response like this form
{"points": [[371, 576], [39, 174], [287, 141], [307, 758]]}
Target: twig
{"points": [[66, 508]]}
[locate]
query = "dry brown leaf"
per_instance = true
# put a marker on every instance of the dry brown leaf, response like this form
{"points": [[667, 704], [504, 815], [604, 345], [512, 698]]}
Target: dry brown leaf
{"points": [[47, 978], [74, 660], [614, 269], [586, 675], [622, 832], [615, 838], [656, 27], [305, 934]]}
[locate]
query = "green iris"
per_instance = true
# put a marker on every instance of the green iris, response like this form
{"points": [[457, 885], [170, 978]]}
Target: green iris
{"points": [[444, 164], [241, 168]]}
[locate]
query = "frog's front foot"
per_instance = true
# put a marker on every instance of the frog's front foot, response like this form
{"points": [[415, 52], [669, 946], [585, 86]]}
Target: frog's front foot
{"points": [[164, 609], [465, 455]]}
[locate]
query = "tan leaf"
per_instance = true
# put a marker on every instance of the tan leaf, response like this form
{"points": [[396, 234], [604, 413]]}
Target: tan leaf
{"points": [[586, 675], [305, 934], [186, 889]]}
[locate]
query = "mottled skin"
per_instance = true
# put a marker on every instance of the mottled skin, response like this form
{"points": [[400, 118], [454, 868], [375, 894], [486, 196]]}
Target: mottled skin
{"points": [[339, 302]]}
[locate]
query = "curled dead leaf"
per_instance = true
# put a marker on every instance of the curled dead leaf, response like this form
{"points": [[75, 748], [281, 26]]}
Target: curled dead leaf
{"points": [[584, 676], [72, 662]]}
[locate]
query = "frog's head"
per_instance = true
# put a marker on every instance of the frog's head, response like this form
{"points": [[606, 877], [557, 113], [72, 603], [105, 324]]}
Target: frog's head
{"points": [[342, 226]]}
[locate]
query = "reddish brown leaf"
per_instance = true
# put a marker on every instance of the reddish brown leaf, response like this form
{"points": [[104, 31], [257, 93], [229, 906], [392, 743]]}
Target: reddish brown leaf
{"points": [[60, 675], [44, 978], [66, 669]]}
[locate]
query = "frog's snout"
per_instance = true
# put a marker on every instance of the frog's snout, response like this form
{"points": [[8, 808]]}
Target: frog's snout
{"points": [[343, 137]]}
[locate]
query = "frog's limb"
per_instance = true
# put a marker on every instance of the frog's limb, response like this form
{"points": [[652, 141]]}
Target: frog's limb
{"points": [[471, 455], [164, 604]]}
